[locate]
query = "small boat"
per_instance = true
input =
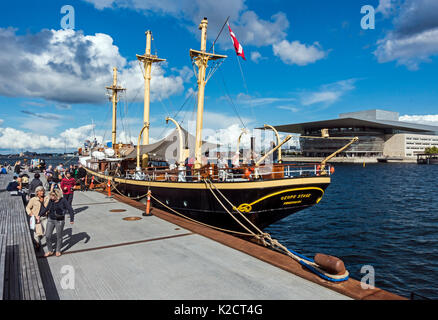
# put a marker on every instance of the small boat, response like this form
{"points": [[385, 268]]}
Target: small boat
{"points": [[427, 158]]}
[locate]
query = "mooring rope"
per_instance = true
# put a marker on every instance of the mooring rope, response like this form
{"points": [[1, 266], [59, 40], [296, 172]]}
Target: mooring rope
{"points": [[267, 240]]}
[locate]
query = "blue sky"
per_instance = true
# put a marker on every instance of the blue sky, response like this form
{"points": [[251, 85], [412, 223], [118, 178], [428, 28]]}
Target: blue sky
{"points": [[306, 61]]}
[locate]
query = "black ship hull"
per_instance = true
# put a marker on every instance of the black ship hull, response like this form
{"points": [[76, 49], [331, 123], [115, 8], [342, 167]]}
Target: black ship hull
{"points": [[262, 202]]}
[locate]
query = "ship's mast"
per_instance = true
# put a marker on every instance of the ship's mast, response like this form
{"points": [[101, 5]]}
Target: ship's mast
{"points": [[147, 60], [201, 59], [115, 89]]}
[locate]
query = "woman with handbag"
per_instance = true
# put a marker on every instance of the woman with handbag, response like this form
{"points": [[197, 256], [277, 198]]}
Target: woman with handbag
{"points": [[55, 211], [34, 207]]}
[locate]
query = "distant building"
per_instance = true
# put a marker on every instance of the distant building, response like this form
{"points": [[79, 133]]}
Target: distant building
{"points": [[380, 133]]}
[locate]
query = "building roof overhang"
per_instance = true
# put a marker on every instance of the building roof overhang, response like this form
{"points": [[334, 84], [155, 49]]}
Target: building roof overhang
{"points": [[355, 122]]}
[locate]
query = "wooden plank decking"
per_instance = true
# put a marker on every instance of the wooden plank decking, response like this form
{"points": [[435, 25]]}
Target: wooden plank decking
{"points": [[20, 278]]}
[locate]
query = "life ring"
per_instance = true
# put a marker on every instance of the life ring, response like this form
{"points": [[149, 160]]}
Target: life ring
{"points": [[318, 170]]}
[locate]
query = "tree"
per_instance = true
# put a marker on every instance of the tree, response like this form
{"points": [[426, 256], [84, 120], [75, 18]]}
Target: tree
{"points": [[431, 150]]}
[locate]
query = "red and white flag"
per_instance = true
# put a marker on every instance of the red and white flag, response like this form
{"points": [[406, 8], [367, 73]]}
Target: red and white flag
{"points": [[237, 46]]}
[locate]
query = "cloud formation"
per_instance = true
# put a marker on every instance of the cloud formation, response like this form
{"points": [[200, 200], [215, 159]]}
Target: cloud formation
{"points": [[14, 139], [414, 39], [68, 67], [297, 53], [429, 119], [328, 93], [249, 28], [246, 24]]}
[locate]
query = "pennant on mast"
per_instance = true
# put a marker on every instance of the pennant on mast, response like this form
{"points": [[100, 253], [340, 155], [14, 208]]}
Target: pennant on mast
{"points": [[237, 46]]}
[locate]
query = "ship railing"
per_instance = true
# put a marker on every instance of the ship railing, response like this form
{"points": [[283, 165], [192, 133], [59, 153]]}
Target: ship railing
{"points": [[235, 174]]}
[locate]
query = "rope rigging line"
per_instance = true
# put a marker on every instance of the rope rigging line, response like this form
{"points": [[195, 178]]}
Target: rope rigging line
{"points": [[185, 114], [267, 240], [212, 46], [230, 100], [106, 127], [122, 122], [125, 104], [243, 76]]}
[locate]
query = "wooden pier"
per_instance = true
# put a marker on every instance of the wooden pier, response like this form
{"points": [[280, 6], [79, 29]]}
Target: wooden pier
{"points": [[109, 255], [20, 278]]}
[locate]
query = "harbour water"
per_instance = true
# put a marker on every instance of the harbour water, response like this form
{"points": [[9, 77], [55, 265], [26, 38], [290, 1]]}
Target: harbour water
{"points": [[380, 215]]}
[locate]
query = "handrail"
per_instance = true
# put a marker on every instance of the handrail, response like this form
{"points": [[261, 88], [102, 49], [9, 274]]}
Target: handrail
{"points": [[287, 171]]}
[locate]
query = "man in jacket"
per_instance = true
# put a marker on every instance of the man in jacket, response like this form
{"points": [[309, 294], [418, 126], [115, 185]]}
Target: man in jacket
{"points": [[82, 173], [35, 206]]}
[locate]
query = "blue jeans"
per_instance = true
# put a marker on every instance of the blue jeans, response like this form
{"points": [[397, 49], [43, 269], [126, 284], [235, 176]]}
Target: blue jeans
{"points": [[51, 224]]}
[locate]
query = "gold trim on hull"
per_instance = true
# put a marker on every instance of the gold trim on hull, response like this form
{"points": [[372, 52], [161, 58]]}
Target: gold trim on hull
{"points": [[219, 185], [247, 207]]}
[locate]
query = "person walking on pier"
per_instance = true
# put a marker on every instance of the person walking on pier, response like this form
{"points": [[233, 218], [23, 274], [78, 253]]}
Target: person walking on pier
{"points": [[35, 206], [36, 182], [82, 173], [49, 171], [56, 210], [67, 185], [17, 168]]}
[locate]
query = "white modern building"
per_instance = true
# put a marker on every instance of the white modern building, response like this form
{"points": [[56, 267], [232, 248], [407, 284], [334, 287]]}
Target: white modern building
{"points": [[380, 133]]}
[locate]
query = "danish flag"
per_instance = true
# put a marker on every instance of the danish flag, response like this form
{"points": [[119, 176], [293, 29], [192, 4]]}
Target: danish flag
{"points": [[237, 46]]}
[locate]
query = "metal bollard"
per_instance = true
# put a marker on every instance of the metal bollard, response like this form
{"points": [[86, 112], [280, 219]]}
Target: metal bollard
{"points": [[109, 188], [148, 205]]}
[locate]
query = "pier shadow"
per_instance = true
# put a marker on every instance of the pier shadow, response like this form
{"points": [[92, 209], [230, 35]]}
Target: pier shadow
{"points": [[47, 279], [79, 210], [69, 239]]}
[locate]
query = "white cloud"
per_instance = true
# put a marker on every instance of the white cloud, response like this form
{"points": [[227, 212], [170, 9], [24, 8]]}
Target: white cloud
{"points": [[256, 56], [249, 28], [1, 121], [410, 50], [251, 101], [187, 12], [289, 108], [258, 32], [386, 7], [429, 119], [227, 138], [414, 39], [297, 53], [11, 138], [68, 67], [328, 93]]}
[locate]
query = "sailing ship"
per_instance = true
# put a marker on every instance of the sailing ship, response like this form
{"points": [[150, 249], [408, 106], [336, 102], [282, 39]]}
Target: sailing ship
{"points": [[260, 193]]}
